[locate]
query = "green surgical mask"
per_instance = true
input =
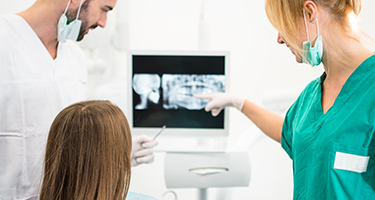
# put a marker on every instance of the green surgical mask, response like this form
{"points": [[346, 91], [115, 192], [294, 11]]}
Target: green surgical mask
{"points": [[312, 55]]}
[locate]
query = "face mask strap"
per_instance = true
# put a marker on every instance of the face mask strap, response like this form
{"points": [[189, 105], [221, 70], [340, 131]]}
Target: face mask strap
{"points": [[66, 9], [79, 9], [307, 30]]}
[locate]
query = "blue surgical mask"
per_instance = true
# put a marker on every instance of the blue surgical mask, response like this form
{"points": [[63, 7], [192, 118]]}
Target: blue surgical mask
{"points": [[68, 31], [312, 55]]}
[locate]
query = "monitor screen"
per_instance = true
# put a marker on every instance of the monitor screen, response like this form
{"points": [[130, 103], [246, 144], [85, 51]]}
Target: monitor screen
{"points": [[163, 85]]}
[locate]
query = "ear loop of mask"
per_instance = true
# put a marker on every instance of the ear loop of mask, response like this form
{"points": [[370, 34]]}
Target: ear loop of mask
{"points": [[312, 55], [66, 9], [79, 9], [80, 6], [307, 30]]}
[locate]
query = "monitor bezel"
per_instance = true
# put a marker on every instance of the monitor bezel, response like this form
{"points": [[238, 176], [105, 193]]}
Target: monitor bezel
{"points": [[171, 132]]}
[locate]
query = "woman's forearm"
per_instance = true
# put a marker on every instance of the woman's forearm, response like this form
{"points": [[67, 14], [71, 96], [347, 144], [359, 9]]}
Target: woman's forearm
{"points": [[270, 123]]}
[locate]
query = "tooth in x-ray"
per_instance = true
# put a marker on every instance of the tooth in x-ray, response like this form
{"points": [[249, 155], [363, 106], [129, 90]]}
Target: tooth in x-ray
{"points": [[179, 89]]}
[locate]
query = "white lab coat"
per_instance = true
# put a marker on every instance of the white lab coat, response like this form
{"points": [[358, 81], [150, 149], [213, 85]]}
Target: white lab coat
{"points": [[34, 88]]}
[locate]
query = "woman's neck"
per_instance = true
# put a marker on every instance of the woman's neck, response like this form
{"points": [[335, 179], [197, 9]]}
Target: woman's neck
{"points": [[341, 57]]}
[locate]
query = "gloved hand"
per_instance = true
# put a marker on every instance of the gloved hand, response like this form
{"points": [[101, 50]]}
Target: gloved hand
{"points": [[220, 100], [142, 151]]}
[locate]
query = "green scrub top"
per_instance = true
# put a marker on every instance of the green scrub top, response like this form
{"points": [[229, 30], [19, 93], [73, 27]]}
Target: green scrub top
{"points": [[334, 153]]}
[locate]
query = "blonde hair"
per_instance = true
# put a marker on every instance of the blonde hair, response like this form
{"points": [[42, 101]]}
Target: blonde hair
{"points": [[284, 15], [88, 153]]}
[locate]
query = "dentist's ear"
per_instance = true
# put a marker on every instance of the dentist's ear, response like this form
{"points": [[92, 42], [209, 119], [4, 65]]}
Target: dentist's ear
{"points": [[311, 11]]}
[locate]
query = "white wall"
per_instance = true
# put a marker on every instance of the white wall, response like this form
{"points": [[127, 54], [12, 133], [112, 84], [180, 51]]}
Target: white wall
{"points": [[258, 65]]}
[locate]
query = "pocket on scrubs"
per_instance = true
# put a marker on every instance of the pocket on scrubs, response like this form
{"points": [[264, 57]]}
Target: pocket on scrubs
{"points": [[351, 172]]}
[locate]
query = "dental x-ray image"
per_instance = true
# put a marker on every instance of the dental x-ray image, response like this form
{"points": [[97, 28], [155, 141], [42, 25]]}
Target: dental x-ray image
{"points": [[147, 86], [179, 89], [163, 88]]}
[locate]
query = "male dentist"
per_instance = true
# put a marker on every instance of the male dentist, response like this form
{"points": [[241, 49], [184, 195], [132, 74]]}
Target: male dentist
{"points": [[42, 71]]}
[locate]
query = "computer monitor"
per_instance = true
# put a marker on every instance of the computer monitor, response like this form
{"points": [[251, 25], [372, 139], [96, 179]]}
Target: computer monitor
{"points": [[162, 91]]}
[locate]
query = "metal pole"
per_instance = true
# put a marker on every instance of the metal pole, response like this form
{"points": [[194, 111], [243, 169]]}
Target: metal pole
{"points": [[202, 194]]}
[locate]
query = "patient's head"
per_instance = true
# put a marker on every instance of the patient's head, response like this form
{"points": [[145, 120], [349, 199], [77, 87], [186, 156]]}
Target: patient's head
{"points": [[88, 153]]}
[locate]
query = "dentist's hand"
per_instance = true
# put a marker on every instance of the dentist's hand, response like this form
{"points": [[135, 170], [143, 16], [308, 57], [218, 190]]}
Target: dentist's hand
{"points": [[142, 151], [220, 100]]}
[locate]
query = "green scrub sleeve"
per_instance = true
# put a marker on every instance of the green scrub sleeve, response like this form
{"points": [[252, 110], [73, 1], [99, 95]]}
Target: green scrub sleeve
{"points": [[287, 130], [286, 133]]}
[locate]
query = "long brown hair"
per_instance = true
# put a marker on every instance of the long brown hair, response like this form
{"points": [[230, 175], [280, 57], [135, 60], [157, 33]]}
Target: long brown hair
{"points": [[88, 153]]}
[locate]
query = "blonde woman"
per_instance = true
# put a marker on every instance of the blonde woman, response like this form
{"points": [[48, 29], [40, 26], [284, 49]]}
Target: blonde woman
{"points": [[88, 154], [329, 131]]}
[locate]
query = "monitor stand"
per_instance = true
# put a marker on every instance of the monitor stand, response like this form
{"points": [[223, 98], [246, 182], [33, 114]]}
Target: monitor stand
{"points": [[202, 194], [191, 145]]}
